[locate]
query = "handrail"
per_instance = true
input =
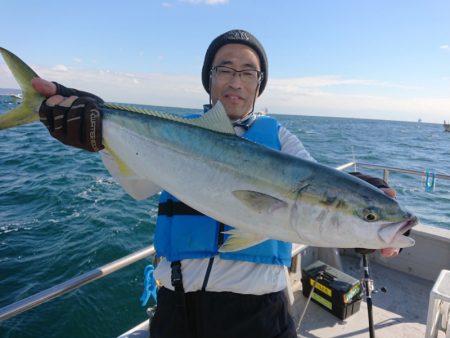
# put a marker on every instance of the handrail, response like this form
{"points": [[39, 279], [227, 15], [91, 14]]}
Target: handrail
{"points": [[387, 169], [74, 283], [39, 298]]}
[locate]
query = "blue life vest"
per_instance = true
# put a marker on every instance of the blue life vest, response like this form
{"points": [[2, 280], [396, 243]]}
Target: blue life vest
{"points": [[182, 232]]}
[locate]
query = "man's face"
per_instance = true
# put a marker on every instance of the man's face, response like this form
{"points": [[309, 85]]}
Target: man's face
{"points": [[235, 94]]}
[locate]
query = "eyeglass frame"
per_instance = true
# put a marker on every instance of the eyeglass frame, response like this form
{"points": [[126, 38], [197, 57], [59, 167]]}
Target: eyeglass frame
{"points": [[259, 73]]}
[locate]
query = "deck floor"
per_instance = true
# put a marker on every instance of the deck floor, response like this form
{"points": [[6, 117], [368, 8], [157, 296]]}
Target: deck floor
{"points": [[400, 312]]}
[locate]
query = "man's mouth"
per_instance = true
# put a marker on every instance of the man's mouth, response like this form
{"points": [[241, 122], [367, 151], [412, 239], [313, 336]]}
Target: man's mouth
{"points": [[233, 97]]}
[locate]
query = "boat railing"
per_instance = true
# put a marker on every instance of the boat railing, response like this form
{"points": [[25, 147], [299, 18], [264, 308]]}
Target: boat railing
{"points": [[72, 284], [386, 170], [39, 298]]}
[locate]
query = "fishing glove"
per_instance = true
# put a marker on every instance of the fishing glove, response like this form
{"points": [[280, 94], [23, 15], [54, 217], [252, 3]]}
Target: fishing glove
{"points": [[377, 182], [79, 125]]}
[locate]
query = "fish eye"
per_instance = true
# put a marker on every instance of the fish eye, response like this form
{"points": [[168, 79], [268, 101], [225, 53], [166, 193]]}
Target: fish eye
{"points": [[370, 215]]}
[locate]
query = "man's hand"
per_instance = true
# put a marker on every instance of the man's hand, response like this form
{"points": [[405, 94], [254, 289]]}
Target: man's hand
{"points": [[70, 115], [44, 87]]}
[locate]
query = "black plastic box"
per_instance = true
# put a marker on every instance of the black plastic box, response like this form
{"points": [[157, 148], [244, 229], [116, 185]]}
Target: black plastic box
{"points": [[335, 291]]}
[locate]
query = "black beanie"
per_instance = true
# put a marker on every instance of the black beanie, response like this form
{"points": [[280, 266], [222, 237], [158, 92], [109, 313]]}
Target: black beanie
{"points": [[234, 36]]}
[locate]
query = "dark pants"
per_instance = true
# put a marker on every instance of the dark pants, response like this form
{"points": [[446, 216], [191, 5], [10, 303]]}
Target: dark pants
{"points": [[221, 315]]}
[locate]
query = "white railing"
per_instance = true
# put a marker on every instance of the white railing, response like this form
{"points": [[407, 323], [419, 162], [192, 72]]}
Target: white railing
{"points": [[387, 170]]}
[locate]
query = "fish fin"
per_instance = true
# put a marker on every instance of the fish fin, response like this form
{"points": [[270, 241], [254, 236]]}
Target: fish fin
{"points": [[240, 240], [27, 111], [124, 169], [137, 187], [258, 201], [215, 119]]}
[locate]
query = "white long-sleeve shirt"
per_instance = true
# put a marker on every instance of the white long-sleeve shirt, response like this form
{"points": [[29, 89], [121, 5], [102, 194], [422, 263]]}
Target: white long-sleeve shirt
{"points": [[226, 275]]}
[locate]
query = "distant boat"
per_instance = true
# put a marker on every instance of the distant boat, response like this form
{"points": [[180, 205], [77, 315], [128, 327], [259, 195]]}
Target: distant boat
{"points": [[16, 96], [446, 126], [263, 112], [13, 96]]}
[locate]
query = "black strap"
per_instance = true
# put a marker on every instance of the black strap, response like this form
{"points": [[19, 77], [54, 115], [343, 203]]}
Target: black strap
{"points": [[208, 272], [171, 208], [180, 297], [220, 240], [176, 277], [221, 235]]}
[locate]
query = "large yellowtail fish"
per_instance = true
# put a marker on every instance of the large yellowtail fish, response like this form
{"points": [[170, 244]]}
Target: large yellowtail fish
{"points": [[263, 193]]}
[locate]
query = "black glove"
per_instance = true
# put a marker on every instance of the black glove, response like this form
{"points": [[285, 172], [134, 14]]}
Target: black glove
{"points": [[378, 182], [66, 92], [363, 251], [79, 125]]}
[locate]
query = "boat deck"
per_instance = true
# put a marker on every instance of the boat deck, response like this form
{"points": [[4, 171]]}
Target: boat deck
{"points": [[400, 312]]}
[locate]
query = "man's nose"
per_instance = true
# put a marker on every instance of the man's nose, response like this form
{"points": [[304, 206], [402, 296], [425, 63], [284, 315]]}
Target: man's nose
{"points": [[236, 80]]}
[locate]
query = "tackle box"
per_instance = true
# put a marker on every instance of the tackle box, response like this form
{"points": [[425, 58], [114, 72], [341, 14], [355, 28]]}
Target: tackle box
{"points": [[334, 290]]}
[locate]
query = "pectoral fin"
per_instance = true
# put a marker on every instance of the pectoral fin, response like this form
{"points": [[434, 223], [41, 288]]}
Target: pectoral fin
{"points": [[124, 169], [258, 201], [239, 240], [137, 187]]}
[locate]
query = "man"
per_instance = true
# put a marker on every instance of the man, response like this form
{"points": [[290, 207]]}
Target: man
{"points": [[207, 294]]}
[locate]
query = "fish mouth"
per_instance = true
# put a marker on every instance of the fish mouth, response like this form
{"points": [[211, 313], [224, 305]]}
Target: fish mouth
{"points": [[393, 233]]}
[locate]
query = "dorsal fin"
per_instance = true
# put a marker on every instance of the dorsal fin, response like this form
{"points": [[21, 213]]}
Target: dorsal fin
{"points": [[215, 119]]}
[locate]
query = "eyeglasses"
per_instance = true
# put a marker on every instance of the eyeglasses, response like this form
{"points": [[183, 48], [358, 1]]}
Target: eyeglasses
{"points": [[246, 75]]}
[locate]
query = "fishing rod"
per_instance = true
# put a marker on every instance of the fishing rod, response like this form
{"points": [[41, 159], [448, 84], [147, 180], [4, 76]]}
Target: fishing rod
{"points": [[368, 287]]}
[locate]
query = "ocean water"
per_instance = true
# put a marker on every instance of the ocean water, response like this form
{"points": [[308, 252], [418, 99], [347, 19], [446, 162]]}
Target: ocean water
{"points": [[61, 215]]}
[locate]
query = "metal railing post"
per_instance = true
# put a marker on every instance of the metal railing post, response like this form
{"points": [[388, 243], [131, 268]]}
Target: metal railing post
{"points": [[74, 283]]}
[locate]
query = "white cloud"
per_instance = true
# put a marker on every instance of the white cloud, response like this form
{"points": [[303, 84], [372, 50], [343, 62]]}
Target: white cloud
{"points": [[445, 47], [313, 99], [216, 2], [303, 96], [293, 84], [60, 68], [205, 2], [167, 4]]}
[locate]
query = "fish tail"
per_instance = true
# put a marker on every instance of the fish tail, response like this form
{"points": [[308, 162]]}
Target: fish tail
{"points": [[27, 111]]}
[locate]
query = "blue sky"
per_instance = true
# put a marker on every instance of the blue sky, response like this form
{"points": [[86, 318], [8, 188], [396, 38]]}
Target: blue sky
{"points": [[382, 59]]}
